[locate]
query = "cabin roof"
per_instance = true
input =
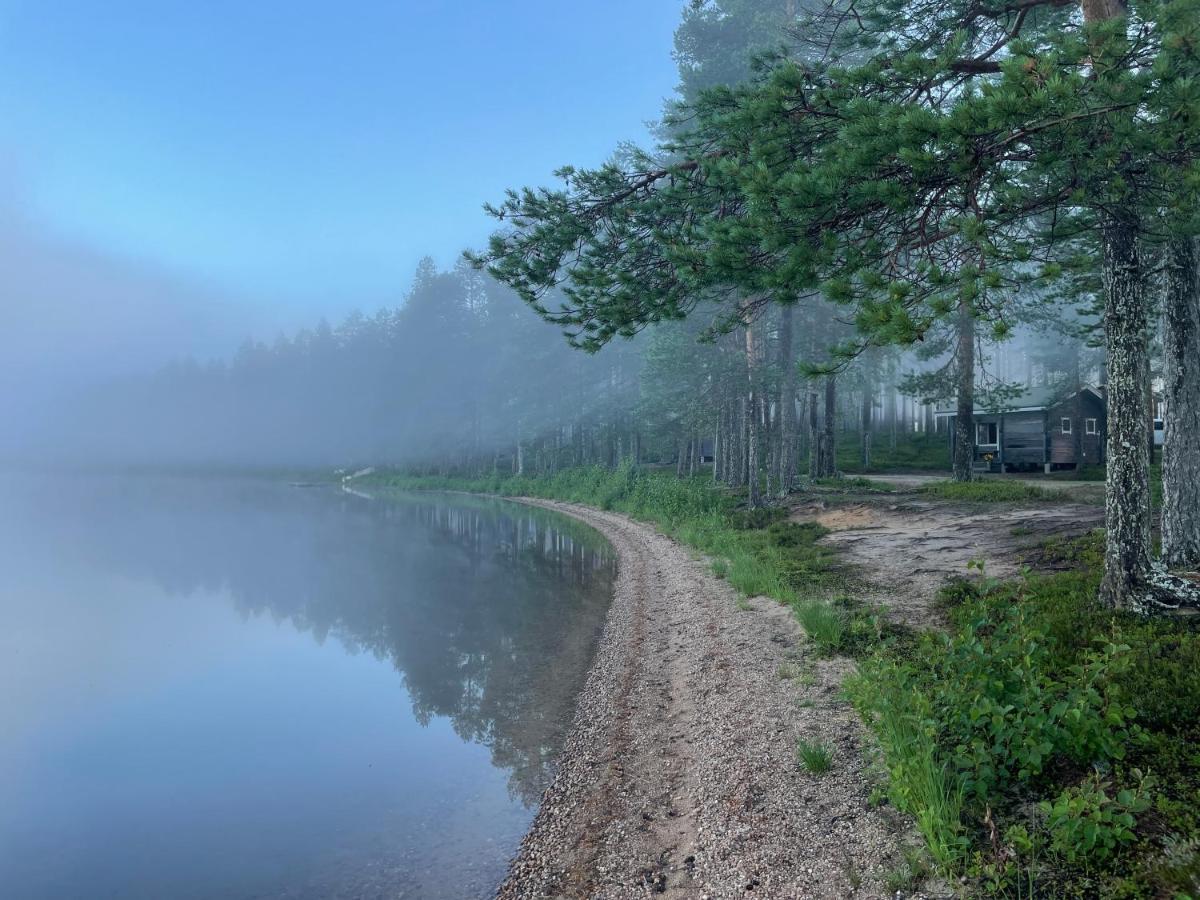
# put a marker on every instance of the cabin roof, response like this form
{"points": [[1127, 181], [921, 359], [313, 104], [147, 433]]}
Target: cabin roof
{"points": [[1032, 399]]}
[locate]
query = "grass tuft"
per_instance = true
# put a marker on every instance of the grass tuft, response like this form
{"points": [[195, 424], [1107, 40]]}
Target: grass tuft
{"points": [[814, 758]]}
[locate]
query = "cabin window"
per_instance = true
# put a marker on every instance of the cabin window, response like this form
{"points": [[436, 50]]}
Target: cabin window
{"points": [[1066, 426], [985, 434], [1089, 426]]}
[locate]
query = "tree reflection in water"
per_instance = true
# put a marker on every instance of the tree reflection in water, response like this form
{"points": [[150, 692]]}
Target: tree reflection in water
{"points": [[490, 611]]}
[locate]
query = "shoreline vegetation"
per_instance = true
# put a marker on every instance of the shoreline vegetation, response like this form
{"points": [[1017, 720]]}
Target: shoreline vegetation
{"points": [[1043, 746]]}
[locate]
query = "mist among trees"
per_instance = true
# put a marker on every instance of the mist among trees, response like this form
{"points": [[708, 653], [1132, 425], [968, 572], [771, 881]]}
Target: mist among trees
{"points": [[852, 217]]}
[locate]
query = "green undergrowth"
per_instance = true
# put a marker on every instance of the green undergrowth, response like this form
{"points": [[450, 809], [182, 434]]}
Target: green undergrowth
{"points": [[855, 483], [912, 452], [1044, 746], [758, 551], [988, 491]]}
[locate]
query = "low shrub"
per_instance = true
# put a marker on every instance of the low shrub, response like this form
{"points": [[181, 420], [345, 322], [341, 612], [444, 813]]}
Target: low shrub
{"points": [[1022, 739], [1085, 823]]}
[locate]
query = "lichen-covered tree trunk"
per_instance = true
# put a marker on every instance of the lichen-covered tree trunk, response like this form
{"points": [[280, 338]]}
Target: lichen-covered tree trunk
{"points": [[787, 404], [964, 419], [1127, 491], [1181, 435]]}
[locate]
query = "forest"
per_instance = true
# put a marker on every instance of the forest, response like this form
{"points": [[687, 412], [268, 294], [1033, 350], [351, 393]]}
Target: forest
{"points": [[855, 214], [865, 232]]}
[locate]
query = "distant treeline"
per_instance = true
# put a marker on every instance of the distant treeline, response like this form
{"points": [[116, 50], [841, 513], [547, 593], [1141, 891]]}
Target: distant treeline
{"points": [[462, 378]]}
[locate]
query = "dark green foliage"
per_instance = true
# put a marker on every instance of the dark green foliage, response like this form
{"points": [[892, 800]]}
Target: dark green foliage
{"points": [[1085, 823], [756, 518], [1068, 731]]}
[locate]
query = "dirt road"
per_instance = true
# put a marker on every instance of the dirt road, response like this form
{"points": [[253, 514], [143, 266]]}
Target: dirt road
{"points": [[679, 776]]}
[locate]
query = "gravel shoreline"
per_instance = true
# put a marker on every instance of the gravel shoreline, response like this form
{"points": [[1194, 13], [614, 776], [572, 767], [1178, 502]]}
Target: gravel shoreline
{"points": [[678, 777]]}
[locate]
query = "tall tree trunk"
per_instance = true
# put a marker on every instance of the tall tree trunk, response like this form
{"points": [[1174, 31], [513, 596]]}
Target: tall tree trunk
{"points": [[1127, 361], [787, 404], [737, 444], [829, 435], [1127, 489], [1181, 428], [814, 436], [868, 402], [1149, 417], [718, 448], [964, 419], [895, 415], [752, 417]]}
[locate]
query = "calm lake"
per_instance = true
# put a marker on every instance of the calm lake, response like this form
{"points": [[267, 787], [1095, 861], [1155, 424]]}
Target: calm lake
{"points": [[235, 689]]}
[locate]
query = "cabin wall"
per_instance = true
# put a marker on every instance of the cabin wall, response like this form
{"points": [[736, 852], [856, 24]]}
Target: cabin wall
{"points": [[1024, 439], [1020, 441], [1063, 444]]}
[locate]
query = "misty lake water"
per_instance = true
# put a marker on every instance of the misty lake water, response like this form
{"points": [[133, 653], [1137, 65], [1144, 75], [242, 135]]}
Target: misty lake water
{"points": [[230, 688]]}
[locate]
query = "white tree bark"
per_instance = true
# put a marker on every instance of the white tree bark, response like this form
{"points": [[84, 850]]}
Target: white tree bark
{"points": [[1127, 489]]}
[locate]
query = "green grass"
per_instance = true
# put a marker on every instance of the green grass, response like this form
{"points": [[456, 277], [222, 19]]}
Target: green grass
{"points": [[814, 758], [914, 452], [988, 491], [1042, 741], [855, 483]]}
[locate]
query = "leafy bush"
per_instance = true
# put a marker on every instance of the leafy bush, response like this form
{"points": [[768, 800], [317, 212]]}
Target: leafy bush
{"points": [[928, 451], [1025, 686], [1006, 709], [1085, 823]]}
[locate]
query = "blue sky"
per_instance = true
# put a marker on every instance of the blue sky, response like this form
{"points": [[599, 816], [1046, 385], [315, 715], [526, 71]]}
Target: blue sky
{"points": [[300, 157]]}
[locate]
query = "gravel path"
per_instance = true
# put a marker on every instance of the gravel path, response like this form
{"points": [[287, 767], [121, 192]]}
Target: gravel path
{"points": [[679, 776]]}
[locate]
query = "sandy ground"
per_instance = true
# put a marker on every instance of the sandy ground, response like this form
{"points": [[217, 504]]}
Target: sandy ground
{"points": [[903, 549], [679, 775]]}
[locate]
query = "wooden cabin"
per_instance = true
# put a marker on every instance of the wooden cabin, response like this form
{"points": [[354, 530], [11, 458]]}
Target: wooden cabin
{"points": [[1041, 428]]}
